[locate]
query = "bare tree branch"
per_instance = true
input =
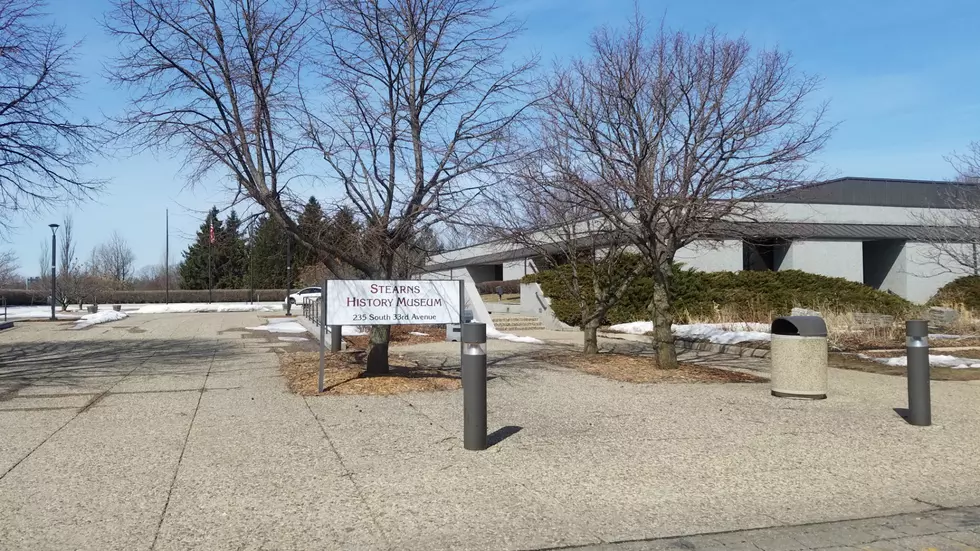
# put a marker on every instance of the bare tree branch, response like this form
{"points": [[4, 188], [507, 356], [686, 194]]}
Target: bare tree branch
{"points": [[41, 148]]}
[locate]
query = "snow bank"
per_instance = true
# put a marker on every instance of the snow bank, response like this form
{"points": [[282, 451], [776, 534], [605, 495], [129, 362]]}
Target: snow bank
{"points": [[937, 360], [89, 320], [37, 312], [280, 325], [719, 333], [205, 307], [417, 334], [494, 334]]}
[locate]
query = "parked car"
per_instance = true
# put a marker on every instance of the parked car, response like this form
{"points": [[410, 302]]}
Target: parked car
{"points": [[309, 292]]}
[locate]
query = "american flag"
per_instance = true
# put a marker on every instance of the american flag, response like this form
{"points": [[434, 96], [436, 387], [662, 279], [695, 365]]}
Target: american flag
{"points": [[212, 231]]}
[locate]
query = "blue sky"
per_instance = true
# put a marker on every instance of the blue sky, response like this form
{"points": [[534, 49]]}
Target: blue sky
{"points": [[901, 76]]}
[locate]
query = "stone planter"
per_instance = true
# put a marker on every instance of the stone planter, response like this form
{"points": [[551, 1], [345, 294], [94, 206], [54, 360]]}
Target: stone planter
{"points": [[92, 309], [117, 307]]}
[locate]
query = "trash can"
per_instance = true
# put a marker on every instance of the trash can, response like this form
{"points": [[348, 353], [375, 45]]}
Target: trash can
{"points": [[799, 357], [452, 329]]}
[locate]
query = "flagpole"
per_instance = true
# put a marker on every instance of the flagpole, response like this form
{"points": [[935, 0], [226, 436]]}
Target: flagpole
{"points": [[166, 258]]}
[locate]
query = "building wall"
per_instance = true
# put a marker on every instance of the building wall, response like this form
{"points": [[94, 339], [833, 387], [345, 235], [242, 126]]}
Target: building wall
{"points": [[829, 258], [514, 269], [712, 256], [923, 276]]}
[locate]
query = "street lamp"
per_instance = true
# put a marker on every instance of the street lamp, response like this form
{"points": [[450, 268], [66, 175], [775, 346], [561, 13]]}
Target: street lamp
{"points": [[54, 256]]}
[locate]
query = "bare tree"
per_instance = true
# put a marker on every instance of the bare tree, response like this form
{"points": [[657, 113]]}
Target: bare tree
{"points": [[671, 135], [956, 231], [42, 146], [586, 253], [418, 105], [8, 270], [114, 259], [70, 271], [421, 107]]}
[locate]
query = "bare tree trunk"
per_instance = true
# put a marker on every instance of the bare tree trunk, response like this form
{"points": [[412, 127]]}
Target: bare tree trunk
{"points": [[591, 329], [663, 319], [377, 351]]}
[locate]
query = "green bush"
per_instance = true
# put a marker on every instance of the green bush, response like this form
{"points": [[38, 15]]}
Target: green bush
{"points": [[964, 291], [742, 296], [28, 298]]}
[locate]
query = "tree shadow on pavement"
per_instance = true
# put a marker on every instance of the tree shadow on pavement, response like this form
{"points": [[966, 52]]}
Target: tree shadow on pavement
{"points": [[72, 363]]}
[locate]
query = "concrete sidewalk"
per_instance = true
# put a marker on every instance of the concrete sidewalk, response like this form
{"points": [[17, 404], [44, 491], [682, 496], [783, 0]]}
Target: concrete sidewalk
{"points": [[176, 432]]}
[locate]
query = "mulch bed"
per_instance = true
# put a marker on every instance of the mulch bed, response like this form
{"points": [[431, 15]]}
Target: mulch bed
{"points": [[344, 374], [643, 369], [402, 335]]}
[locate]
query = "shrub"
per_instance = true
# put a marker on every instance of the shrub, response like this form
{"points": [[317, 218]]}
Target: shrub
{"points": [[511, 287], [744, 296], [964, 291], [21, 297]]}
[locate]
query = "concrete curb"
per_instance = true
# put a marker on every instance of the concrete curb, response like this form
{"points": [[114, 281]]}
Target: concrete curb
{"points": [[310, 328], [702, 346]]}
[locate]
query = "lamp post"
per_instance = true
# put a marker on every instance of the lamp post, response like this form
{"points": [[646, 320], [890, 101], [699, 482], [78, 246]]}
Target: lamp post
{"points": [[54, 257]]}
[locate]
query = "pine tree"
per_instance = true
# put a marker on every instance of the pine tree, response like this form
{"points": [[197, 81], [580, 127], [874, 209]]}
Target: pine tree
{"points": [[231, 255], [313, 227], [194, 268], [344, 230], [269, 255]]}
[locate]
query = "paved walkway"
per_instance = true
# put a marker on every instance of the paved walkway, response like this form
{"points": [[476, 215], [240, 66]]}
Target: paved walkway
{"points": [[176, 432]]}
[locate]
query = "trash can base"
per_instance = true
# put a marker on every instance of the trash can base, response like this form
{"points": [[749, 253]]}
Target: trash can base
{"points": [[778, 394]]}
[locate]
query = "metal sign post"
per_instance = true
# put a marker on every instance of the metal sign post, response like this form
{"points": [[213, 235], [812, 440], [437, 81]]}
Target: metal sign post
{"points": [[323, 329]]}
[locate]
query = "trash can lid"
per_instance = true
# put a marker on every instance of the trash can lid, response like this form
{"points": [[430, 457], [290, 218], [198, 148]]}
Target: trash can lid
{"points": [[804, 326]]}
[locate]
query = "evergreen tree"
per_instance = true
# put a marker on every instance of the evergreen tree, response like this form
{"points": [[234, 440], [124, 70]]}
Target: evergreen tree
{"points": [[269, 255], [194, 268], [231, 255], [313, 226]]}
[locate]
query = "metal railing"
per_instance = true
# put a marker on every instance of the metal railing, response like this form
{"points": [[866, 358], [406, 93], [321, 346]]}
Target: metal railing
{"points": [[3, 302], [312, 310]]}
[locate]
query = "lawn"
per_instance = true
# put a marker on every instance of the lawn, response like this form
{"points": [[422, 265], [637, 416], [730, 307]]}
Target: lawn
{"points": [[855, 362]]}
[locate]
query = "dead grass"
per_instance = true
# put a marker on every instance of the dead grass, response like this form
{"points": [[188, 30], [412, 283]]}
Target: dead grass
{"points": [[402, 335], [508, 298], [643, 369], [853, 362], [344, 375]]}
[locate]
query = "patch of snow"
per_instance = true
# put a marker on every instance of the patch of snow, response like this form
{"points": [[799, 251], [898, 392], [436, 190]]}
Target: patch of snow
{"points": [[494, 334], [719, 333], [724, 333], [192, 307], [280, 325], [633, 328], [945, 336], [350, 331], [37, 312], [106, 316], [294, 339], [417, 334], [937, 360]]}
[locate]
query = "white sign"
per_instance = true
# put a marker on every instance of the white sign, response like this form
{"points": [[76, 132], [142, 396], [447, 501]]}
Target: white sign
{"points": [[409, 302]]}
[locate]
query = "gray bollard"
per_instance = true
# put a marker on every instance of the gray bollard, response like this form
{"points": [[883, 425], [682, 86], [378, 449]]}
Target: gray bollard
{"points": [[336, 338], [474, 367], [917, 354]]}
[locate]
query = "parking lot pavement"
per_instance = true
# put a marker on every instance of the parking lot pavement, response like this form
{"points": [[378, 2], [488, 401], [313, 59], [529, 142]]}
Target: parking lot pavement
{"points": [[176, 431]]}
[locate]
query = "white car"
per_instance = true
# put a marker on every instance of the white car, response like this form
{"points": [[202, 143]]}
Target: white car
{"points": [[309, 292]]}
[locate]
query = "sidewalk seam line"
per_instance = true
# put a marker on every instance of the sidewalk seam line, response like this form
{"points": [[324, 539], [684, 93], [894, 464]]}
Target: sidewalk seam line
{"points": [[183, 448], [80, 411], [348, 474]]}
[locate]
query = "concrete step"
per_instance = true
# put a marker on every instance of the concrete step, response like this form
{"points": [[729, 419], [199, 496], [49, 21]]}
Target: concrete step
{"points": [[511, 322]]}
